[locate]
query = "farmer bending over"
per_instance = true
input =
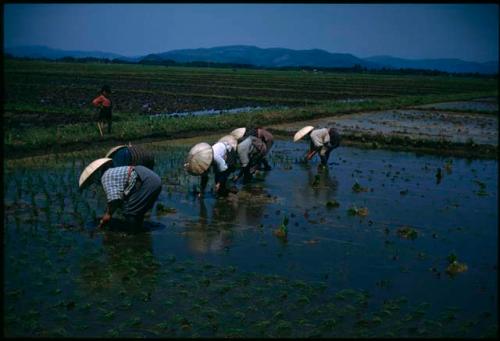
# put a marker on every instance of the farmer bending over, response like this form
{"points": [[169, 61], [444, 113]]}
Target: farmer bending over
{"points": [[219, 157], [242, 133], [131, 189], [251, 152], [322, 140], [103, 101]]}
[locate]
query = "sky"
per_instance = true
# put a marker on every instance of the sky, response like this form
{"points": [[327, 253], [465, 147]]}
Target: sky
{"points": [[414, 31]]}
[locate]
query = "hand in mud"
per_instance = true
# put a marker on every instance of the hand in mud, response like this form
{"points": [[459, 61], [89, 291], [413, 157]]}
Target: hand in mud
{"points": [[105, 219], [310, 155]]}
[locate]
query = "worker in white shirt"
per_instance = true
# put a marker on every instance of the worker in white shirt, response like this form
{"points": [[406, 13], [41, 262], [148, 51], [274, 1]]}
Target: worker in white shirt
{"points": [[322, 140]]}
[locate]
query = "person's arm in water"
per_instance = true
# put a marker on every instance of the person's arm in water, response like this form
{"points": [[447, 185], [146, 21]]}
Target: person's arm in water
{"points": [[311, 153], [220, 179], [313, 149], [243, 170], [110, 209], [203, 183], [116, 183]]}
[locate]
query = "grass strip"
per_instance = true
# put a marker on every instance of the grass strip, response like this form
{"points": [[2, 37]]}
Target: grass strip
{"points": [[23, 142]]}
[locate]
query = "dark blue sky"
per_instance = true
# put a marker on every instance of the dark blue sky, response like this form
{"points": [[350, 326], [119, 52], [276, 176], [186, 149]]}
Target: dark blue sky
{"points": [[464, 31]]}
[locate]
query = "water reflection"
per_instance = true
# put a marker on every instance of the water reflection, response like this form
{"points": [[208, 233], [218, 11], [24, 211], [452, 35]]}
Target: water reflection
{"points": [[126, 261], [324, 185], [313, 185], [217, 224]]}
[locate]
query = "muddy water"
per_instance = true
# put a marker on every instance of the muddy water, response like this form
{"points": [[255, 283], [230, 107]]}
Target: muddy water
{"points": [[215, 268], [212, 112]]}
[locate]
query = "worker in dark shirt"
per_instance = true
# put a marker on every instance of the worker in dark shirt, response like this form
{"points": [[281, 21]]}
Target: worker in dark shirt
{"points": [[265, 136], [129, 155]]}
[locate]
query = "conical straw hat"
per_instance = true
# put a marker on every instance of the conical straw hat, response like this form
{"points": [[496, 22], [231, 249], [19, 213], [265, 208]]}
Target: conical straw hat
{"points": [[114, 150], [230, 139], [199, 159], [92, 169], [238, 133], [302, 132]]}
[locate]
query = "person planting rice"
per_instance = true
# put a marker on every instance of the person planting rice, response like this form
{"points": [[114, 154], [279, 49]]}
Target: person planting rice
{"points": [[322, 140], [242, 133], [250, 152], [133, 190], [129, 155], [219, 157], [104, 103]]}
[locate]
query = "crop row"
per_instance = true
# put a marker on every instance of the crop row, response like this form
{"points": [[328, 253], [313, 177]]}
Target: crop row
{"points": [[31, 139]]}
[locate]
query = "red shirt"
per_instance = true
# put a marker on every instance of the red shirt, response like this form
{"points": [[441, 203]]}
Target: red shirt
{"points": [[106, 102]]}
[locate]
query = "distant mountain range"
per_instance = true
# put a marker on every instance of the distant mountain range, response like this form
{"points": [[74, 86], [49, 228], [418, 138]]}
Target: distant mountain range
{"points": [[270, 57]]}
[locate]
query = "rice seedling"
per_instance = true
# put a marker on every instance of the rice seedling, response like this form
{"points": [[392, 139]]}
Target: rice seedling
{"points": [[282, 231], [332, 204], [358, 188], [354, 210], [407, 232]]}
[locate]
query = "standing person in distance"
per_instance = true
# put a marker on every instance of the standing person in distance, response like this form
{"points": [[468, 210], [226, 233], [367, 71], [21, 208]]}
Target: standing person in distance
{"points": [[105, 105]]}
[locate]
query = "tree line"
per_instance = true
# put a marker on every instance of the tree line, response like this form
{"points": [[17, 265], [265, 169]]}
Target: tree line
{"points": [[357, 68]]}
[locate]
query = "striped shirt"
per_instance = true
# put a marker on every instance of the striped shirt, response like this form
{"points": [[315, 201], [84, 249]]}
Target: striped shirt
{"points": [[116, 183]]}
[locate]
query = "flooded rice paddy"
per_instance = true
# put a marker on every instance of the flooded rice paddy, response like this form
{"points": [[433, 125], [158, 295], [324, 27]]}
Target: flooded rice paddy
{"points": [[381, 244]]}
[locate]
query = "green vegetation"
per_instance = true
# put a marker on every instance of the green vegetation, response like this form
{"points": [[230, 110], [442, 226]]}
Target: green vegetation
{"points": [[47, 105], [454, 266], [407, 232], [282, 231], [354, 210], [358, 188], [332, 204]]}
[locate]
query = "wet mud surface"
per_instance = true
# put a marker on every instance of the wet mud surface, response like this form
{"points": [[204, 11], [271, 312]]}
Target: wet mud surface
{"points": [[381, 244], [487, 104], [414, 124]]}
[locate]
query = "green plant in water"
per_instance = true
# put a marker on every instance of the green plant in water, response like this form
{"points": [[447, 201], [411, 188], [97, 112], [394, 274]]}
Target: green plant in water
{"points": [[358, 188], [454, 266], [482, 188], [448, 166], [407, 232], [282, 231], [452, 257], [362, 211], [332, 204]]}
